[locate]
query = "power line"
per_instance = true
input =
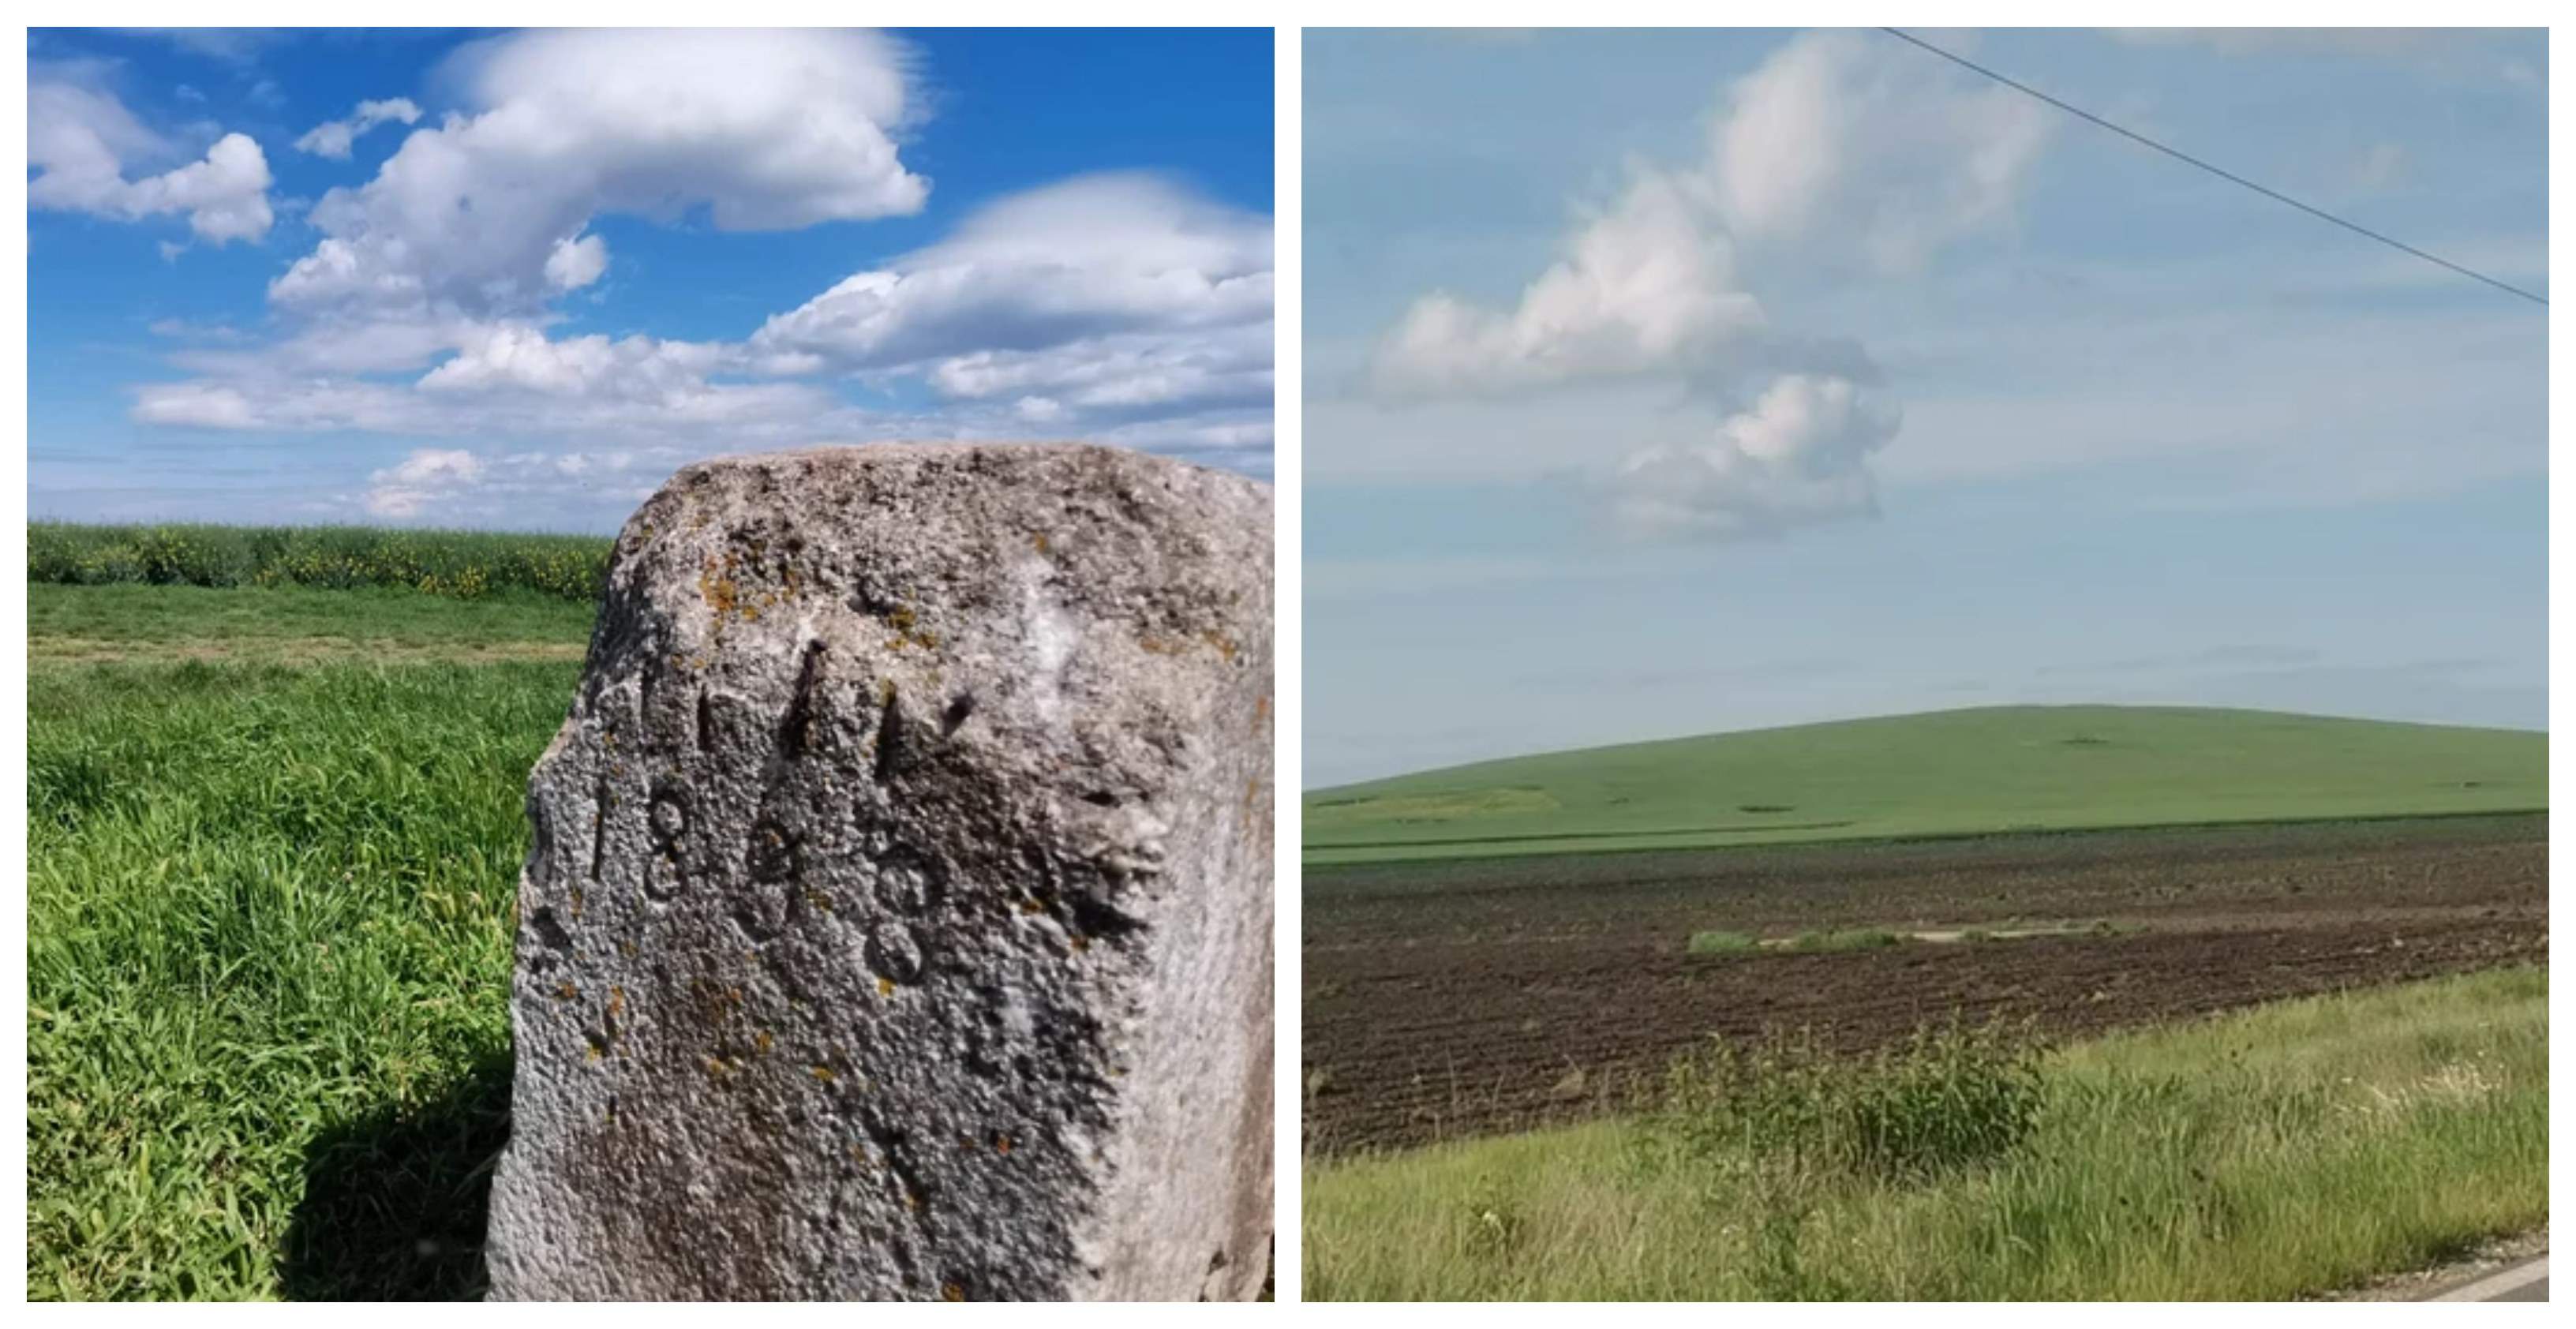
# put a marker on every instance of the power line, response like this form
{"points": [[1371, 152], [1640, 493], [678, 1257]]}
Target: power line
{"points": [[2176, 154]]}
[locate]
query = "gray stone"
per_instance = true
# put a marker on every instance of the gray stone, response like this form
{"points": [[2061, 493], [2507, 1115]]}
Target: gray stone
{"points": [[897, 922]]}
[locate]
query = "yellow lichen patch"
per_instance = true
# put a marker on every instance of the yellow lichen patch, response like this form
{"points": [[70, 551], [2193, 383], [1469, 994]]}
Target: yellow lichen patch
{"points": [[952, 1292], [885, 987], [819, 900], [762, 1042], [824, 1073], [1038, 542], [1078, 942], [616, 1001], [908, 630], [576, 902], [566, 992], [594, 1052]]}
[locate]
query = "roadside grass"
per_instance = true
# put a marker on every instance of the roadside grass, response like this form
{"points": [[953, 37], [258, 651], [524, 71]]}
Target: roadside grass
{"points": [[2275, 1153], [463, 564], [269, 947], [83, 624], [1722, 943]]}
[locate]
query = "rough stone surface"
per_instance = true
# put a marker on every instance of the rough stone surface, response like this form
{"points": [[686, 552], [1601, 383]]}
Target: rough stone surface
{"points": [[898, 918]]}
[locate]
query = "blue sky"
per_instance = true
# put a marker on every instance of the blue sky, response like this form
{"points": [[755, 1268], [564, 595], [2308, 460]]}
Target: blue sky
{"points": [[514, 279], [1662, 383]]}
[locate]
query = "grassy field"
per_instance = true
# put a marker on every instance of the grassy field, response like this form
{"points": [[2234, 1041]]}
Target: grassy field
{"points": [[462, 564], [2282, 1152], [96, 624], [1945, 773], [269, 927]]}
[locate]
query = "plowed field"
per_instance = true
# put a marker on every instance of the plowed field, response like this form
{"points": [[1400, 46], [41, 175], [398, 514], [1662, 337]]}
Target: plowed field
{"points": [[1468, 998]]}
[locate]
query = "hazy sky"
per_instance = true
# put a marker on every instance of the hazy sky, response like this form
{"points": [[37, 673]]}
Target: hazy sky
{"points": [[516, 279], [1662, 383]]}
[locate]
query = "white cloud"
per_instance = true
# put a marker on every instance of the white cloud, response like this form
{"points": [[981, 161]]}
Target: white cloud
{"points": [[1834, 149], [201, 405], [1798, 456], [424, 477], [1841, 141], [767, 130], [576, 261], [519, 357], [332, 138], [1123, 308], [1642, 287], [80, 138], [1071, 264]]}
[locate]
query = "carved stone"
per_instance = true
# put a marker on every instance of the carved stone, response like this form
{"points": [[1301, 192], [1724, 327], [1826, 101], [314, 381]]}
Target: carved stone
{"points": [[897, 922]]}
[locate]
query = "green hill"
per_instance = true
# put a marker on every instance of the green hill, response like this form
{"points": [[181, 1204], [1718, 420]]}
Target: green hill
{"points": [[1944, 773]]}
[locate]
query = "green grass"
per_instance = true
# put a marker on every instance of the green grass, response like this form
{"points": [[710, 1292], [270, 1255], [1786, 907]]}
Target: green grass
{"points": [[269, 932], [68, 623], [1845, 939], [2280, 1152], [463, 564], [1946, 773], [1722, 943]]}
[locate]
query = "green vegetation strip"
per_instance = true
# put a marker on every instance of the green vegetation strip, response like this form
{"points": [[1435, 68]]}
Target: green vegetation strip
{"points": [[269, 931], [83, 624], [1972, 772], [2280, 1152], [462, 564]]}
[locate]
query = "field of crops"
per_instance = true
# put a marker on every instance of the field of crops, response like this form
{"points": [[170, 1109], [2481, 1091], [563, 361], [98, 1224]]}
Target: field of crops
{"points": [[1969, 772], [463, 564], [274, 837], [1471, 997]]}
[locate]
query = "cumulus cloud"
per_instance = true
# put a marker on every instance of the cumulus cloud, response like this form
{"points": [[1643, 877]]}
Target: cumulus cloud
{"points": [[519, 357], [80, 139], [575, 262], [1797, 456], [1836, 151], [1072, 264], [764, 130], [1643, 286], [332, 138], [1122, 307], [1842, 141]]}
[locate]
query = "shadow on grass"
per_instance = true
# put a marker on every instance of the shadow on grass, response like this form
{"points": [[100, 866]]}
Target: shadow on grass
{"points": [[394, 1202]]}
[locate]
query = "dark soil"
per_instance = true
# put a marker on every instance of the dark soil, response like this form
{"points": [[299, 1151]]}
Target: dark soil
{"points": [[1469, 998]]}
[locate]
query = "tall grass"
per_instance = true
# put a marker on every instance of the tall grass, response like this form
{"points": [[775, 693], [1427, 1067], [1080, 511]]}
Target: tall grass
{"points": [[2272, 1154], [269, 930], [465, 564]]}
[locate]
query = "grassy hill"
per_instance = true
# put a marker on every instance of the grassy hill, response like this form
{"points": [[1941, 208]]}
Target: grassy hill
{"points": [[1944, 773]]}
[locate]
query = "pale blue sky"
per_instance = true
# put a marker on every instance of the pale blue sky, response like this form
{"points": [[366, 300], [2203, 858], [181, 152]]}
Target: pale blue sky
{"points": [[2071, 421]]}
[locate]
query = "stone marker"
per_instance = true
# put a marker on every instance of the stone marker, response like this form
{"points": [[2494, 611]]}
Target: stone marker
{"points": [[897, 921]]}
